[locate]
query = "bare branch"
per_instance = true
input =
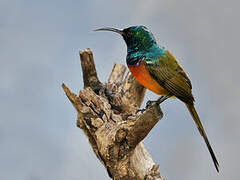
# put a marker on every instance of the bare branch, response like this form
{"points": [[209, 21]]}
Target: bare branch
{"points": [[117, 74], [90, 78], [140, 129], [107, 115]]}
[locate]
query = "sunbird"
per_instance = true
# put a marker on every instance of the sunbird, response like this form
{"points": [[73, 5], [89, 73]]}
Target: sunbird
{"points": [[156, 69]]}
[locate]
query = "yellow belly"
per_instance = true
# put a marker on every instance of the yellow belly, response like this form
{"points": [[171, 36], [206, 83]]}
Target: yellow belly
{"points": [[143, 77]]}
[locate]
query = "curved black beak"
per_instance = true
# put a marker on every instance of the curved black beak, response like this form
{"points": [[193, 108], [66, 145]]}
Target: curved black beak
{"points": [[110, 29]]}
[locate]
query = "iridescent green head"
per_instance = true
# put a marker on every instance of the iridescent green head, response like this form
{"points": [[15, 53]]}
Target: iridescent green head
{"points": [[137, 38]]}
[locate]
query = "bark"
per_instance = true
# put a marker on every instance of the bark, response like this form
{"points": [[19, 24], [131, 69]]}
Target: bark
{"points": [[107, 114]]}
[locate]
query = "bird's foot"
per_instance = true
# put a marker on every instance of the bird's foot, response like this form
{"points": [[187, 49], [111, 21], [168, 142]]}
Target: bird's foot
{"points": [[140, 110], [150, 103], [158, 101]]}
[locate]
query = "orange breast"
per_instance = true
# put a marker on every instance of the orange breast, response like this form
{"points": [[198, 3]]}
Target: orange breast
{"points": [[143, 77]]}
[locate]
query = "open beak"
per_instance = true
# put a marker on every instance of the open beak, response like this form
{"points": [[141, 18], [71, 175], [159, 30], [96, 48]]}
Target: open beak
{"points": [[110, 29]]}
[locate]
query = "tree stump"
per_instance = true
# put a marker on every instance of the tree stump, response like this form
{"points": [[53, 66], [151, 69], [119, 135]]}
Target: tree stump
{"points": [[108, 115]]}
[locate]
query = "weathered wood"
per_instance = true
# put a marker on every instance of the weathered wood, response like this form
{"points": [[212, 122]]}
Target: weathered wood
{"points": [[90, 78], [107, 115], [117, 74]]}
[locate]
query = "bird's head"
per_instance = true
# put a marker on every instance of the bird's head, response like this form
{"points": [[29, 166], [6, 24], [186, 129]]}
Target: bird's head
{"points": [[137, 38]]}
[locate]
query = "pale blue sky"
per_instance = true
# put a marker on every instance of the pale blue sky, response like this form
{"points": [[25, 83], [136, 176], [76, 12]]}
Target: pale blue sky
{"points": [[39, 44]]}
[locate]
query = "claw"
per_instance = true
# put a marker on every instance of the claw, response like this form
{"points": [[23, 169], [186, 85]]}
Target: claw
{"points": [[149, 103], [140, 110], [158, 101]]}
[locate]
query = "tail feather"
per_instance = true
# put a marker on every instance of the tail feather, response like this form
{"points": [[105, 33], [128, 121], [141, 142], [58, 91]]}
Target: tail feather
{"points": [[198, 123]]}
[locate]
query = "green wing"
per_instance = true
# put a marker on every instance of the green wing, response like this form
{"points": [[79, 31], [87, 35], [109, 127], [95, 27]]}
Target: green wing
{"points": [[170, 75]]}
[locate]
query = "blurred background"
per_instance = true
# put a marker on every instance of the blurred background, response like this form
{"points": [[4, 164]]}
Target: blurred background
{"points": [[39, 44]]}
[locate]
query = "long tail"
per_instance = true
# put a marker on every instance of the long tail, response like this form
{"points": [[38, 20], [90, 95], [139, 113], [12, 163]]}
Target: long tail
{"points": [[198, 123]]}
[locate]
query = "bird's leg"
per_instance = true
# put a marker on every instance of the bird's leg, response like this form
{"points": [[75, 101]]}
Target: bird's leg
{"points": [[162, 98], [158, 101]]}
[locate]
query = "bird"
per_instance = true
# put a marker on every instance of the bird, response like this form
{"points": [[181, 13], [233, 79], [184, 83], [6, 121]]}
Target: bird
{"points": [[156, 69]]}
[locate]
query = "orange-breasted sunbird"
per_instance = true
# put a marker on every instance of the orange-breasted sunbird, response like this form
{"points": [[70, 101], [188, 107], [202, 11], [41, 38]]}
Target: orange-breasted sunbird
{"points": [[157, 70]]}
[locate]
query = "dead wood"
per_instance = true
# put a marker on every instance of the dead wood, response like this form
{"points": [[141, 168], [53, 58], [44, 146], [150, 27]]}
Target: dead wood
{"points": [[107, 114]]}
